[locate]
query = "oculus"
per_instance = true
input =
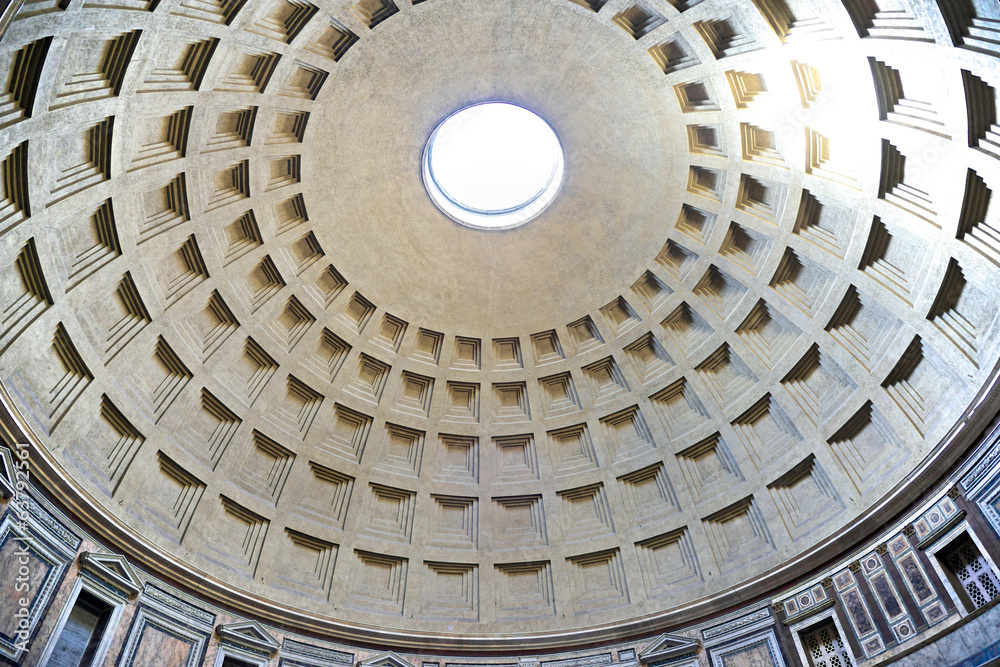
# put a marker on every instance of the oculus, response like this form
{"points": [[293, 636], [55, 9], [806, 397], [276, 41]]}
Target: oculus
{"points": [[493, 165]]}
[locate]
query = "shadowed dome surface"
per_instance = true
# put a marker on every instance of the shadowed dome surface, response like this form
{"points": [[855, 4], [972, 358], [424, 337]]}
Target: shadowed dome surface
{"points": [[266, 366]]}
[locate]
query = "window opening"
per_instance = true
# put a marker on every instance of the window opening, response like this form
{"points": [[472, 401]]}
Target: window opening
{"points": [[825, 647], [82, 633], [230, 661], [493, 165], [972, 571]]}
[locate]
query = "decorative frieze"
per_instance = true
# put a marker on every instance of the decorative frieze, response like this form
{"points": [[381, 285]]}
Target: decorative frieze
{"points": [[937, 521], [915, 579], [858, 613], [806, 604]]}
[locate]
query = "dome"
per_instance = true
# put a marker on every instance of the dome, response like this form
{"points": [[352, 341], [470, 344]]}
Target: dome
{"points": [[756, 320]]}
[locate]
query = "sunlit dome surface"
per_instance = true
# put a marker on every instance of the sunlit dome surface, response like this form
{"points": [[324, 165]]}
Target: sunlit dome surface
{"points": [[493, 165]]}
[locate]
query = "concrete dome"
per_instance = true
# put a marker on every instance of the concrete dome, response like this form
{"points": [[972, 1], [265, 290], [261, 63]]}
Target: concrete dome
{"points": [[257, 359]]}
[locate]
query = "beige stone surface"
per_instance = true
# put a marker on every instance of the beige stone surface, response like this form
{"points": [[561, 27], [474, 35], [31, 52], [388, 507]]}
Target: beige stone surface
{"points": [[764, 297]]}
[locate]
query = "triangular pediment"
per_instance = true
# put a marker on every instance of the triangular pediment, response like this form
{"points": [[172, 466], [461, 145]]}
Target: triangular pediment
{"points": [[113, 570], [248, 634], [387, 659], [8, 473], [668, 646]]}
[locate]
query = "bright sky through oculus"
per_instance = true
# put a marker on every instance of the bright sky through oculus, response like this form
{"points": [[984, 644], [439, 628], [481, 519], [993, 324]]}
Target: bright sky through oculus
{"points": [[493, 165]]}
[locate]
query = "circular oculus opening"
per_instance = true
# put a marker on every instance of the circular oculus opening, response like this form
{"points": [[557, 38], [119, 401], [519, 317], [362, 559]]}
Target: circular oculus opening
{"points": [[493, 165]]}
